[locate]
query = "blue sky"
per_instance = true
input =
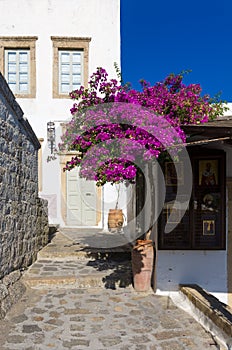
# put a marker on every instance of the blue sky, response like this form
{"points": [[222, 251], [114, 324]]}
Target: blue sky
{"points": [[159, 37]]}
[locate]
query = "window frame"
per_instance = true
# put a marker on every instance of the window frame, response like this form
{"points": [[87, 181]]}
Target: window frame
{"points": [[17, 80], [70, 64], [69, 44], [194, 239], [15, 44]]}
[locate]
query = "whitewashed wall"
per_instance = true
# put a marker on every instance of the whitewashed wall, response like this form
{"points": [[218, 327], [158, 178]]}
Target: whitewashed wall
{"points": [[205, 268], [98, 19], [229, 112]]}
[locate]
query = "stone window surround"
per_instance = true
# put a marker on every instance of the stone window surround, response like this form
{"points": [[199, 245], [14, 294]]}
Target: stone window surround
{"points": [[69, 43], [21, 42]]}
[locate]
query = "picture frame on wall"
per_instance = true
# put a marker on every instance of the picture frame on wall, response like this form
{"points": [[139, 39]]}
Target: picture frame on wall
{"points": [[174, 173], [173, 214], [208, 227], [208, 172], [211, 201]]}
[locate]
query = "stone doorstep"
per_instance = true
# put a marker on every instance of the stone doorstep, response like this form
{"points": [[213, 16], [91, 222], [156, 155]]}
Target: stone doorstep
{"points": [[62, 281], [219, 313], [64, 255], [48, 281], [51, 252]]}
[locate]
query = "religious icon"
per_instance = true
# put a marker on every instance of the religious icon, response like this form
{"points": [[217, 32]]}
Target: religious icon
{"points": [[208, 172], [211, 202], [208, 227], [174, 173]]}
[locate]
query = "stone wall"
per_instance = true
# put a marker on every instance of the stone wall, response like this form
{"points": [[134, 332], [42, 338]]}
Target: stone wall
{"points": [[23, 216]]}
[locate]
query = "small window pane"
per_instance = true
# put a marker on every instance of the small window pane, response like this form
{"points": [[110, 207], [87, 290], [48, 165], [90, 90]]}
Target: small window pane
{"points": [[76, 57], [76, 68], [23, 78], [12, 68], [23, 87], [76, 86], [11, 56], [12, 87], [76, 79], [65, 78], [65, 57], [23, 68], [65, 88], [23, 57], [65, 68], [12, 78]]}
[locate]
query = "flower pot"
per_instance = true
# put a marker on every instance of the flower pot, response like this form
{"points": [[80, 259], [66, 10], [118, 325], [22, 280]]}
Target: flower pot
{"points": [[115, 219], [142, 264]]}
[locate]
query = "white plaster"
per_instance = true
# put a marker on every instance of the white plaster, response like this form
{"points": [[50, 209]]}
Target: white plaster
{"points": [[97, 19], [208, 269], [229, 112]]}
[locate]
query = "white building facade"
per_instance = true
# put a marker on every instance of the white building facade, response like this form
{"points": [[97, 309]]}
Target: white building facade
{"points": [[51, 47], [47, 49]]}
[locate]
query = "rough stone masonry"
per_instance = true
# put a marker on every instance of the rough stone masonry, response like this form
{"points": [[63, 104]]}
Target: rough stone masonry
{"points": [[23, 215]]}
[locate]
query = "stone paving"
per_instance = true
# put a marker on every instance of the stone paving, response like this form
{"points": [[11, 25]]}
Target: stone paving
{"points": [[56, 315], [81, 273], [100, 319]]}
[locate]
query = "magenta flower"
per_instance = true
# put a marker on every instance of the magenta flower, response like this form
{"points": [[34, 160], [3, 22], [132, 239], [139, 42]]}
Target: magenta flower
{"points": [[114, 128]]}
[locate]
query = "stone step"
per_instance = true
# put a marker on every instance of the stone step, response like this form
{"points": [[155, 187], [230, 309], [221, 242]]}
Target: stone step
{"points": [[63, 248], [93, 281], [104, 273], [82, 254], [214, 311], [66, 261]]}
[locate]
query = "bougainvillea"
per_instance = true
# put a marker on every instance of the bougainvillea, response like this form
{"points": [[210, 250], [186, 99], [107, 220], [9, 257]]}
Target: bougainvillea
{"points": [[114, 128]]}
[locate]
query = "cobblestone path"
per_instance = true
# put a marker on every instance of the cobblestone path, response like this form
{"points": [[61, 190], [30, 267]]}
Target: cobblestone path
{"points": [[100, 319], [73, 302]]}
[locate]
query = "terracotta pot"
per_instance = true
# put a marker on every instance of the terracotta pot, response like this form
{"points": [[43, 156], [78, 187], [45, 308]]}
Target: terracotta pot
{"points": [[115, 218], [142, 264]]}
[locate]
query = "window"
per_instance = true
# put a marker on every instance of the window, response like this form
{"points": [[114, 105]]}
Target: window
{"points": [[17, 62], [70, 71], [70, 64], [203, 224], [17, 70]]}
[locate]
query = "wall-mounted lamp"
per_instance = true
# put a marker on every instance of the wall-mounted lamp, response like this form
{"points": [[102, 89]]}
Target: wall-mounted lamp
{"points": [[51, 135]]}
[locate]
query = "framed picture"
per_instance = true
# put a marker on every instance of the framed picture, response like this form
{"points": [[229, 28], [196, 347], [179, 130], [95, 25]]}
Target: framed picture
{"points": [[211, 201], [174, 173], [208, 172], [208, 227], [173, 214]]}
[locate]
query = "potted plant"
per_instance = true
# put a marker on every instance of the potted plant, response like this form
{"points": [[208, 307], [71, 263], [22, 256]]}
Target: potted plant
{"points": [[142, 263], [115, 215], [116, 131]]}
